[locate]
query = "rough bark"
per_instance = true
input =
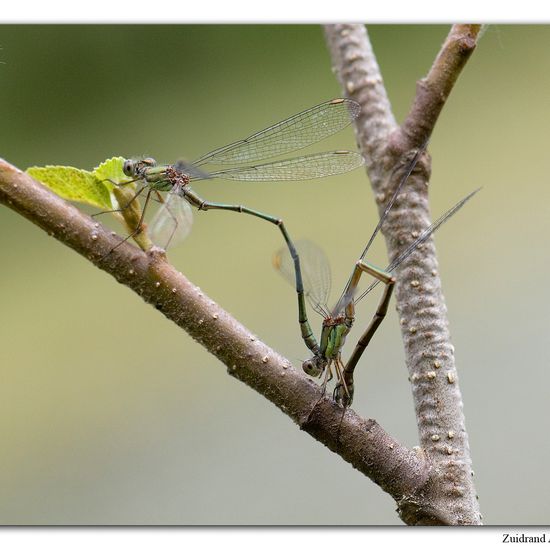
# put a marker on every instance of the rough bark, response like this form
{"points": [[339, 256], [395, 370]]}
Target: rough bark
{"points": [[431, 483], [450, 496]]}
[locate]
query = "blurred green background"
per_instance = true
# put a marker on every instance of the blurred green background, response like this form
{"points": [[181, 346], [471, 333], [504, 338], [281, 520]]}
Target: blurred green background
{"points": [[109, 414]]}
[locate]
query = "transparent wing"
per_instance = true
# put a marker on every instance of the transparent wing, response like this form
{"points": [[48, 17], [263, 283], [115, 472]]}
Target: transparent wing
{"points": [[346, 298], [349, 292], [308, 167], [424, 236], [315, 269], [389, 205], [291, 134], [191, 170], [173, 220]]}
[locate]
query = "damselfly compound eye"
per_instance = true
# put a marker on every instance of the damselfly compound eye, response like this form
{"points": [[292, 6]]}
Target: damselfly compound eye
{"points": [[312, 367], [128, 167]]}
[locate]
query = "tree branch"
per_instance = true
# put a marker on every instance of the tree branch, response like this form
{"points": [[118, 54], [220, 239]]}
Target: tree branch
{"points": [[361, 442], [355, 65], [450, 497], [425, 494], [433, 91]]}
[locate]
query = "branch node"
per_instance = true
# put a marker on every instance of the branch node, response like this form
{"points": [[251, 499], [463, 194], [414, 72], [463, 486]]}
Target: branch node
{"points": [[386, 146], [156, 254]]}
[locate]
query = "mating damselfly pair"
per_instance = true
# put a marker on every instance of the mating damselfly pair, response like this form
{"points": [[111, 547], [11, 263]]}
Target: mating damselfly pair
{"points": [[304, 266]]}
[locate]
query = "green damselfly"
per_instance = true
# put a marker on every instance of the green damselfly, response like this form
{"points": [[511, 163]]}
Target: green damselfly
{"points": [[173, 220], [338, 321]]}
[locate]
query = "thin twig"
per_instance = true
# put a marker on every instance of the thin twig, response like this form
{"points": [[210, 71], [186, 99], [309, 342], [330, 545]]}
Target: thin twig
{"points": [[433, 91]]}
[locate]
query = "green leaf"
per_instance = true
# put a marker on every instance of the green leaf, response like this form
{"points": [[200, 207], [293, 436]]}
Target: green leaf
{"points": [[82, 186], [73, 184], [110, 171]]}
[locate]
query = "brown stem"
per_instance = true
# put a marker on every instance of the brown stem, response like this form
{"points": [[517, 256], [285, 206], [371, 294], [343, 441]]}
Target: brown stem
{"points": [[363, 443], [429, 353], [433, 91]]}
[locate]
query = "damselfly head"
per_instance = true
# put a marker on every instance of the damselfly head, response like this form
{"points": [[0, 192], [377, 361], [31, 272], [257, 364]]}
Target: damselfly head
{"points": [[314, 366], [148, 161], [133, 168]]}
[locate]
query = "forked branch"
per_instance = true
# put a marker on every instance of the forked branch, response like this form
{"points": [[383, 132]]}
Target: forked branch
{"points": [[407, 475], [420, 302]]}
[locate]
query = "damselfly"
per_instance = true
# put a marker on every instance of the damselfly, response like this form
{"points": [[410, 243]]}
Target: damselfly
{"points": [[338, 321], [173, 220]]}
